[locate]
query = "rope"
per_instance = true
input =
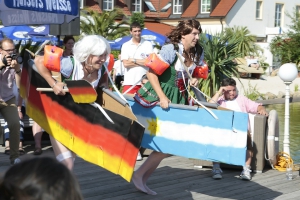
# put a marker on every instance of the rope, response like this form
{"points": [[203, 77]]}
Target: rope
{"points": [[284, 161]]}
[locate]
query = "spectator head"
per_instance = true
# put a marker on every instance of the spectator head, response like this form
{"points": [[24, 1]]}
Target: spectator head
{"points": [[136, 31], [91, 45], [69, 42], [230, 91], [228, 81], [135, 25], [185, 28], [7, 47], [67, 38], [39, 178]]}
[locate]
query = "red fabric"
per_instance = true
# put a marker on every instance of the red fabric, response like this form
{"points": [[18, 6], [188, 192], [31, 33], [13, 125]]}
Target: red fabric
{"points": [[133, 90]]}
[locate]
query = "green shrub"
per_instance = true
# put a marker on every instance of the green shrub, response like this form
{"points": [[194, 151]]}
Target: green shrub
{"points": [[296, 87], [252, 93]]}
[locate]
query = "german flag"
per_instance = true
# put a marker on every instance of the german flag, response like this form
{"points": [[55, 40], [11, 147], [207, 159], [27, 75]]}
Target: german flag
{"points": [[84, 129], [82, 91]]}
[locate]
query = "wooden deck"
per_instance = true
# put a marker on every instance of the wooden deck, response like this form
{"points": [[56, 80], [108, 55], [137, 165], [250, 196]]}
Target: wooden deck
{"points": [[177, 178]]}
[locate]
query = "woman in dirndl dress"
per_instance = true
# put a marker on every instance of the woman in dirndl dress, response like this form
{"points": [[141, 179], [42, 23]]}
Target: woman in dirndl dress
{"points": [[170, 86]]}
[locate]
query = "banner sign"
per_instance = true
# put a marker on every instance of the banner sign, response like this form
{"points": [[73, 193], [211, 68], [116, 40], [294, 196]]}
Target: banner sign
{"points": [[68, 7], [11, 17]]}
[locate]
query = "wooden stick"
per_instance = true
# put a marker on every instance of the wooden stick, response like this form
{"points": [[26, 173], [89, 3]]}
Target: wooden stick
{"points": [[49, 90]]}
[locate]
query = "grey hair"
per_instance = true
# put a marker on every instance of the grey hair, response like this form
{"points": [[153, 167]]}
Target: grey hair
{"points": [[91, 45]]}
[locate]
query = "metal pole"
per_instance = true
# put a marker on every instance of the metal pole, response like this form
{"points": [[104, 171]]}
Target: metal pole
{"points": [[286, 139]]}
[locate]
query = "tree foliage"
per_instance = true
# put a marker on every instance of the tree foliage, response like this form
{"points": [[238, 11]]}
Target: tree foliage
{"points": [[104, 24], [246, 45], [219, 55], [287, 45], [138, 17]]}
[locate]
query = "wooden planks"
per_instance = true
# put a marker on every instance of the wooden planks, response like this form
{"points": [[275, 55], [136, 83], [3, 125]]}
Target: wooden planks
{"points": [[176, 178]]}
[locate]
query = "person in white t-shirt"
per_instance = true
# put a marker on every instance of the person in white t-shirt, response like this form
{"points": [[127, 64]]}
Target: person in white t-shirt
{"points": [[133, 55], [119, 71], [252, 62]]}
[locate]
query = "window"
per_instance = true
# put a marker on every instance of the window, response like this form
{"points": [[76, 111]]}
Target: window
{"points": [[205, 6], [278, 14], [81, 3], [177, 6], [150, 6], [107, 5], [298, 10], [166, 7], [258, 9], [136, 6]]}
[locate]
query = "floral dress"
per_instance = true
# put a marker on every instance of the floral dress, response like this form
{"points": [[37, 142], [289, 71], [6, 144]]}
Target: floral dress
{"points": [[173, 80]]}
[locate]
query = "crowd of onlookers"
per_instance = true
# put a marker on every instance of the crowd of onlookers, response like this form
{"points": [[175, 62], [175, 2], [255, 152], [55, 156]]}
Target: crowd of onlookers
{"points": [[46, 178]]}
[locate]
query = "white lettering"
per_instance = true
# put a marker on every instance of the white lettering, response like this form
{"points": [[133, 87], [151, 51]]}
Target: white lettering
{"points": [[29, 3], [57, 5], [69, 6], [41, 5], [54, 4], [33, 3], [63, 5], [49, 5]]}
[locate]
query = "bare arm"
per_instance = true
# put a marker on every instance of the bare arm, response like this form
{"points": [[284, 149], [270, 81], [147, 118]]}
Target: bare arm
{"points": [[46, 74], [130, 63], [219, 93], [163, 99]]}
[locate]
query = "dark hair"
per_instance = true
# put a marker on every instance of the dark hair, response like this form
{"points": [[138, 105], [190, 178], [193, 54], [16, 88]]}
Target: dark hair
{"points": [[135, 25], [8, 40], [228, 81], [185, 27], [67, 38], [39, 178]]}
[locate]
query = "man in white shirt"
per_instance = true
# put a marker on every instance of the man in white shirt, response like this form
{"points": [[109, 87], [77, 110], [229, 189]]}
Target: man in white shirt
{"points": [[133, 55], [119, 71]]}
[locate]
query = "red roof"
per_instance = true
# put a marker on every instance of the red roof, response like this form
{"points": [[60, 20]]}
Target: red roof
{"points": [[93, 5], [223, 8], [159, 27], [192, 9]]}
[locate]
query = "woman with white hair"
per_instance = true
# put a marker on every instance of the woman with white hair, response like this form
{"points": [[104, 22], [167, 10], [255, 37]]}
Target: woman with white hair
{"points": [[90, 54]]}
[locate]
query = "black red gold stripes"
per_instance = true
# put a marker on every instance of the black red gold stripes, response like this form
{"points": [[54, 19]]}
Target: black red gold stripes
{"points": [[85, 130]]}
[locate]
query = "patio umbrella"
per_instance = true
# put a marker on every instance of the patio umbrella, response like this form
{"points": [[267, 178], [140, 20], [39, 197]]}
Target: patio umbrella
{"points": [[1, 35], [16, 32], [153, 37], [41, 33]]}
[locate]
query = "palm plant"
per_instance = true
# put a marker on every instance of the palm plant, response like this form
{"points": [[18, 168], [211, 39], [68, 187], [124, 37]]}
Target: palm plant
{"points": [[246, 40], [30, 45], [104, 24], [219, 54]]}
